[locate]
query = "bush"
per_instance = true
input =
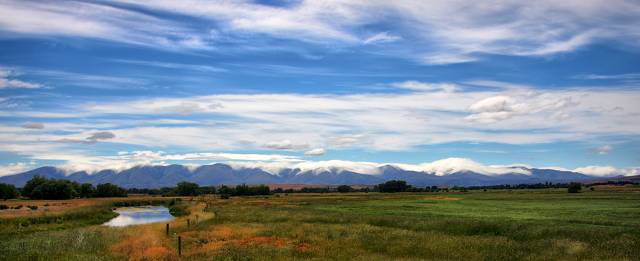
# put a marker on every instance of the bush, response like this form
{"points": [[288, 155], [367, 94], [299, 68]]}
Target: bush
{"points": [[574, 187], [17, 207], [33, 207], [8, 191], [4, 207]]}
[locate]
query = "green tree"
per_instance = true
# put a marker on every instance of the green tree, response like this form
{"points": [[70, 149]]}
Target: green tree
{"points": [[54, 189], [110, 190], [187, 189], [86, 190], [344, 189], [34, 182], [574, 187], [393, 186], [8, 191], [242, 190]]}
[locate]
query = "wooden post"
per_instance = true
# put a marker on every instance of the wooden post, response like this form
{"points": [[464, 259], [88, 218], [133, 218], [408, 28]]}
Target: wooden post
{"points": [[179, 246], [167, 229], [188, 222]]}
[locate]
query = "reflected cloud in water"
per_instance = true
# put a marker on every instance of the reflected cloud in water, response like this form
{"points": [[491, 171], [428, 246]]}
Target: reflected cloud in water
{"points": [[139, 215]]}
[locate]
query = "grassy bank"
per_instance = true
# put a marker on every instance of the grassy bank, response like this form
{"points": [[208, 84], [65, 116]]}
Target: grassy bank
{"points": [[74, 234]]}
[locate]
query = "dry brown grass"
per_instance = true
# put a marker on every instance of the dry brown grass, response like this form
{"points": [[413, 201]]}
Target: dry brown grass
{"points": [[143, 243], [149, 242], [54, 207]]}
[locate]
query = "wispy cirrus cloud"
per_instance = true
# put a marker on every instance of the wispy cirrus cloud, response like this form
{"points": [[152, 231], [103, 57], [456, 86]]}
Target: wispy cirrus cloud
{"points": [[8, 81], [433, 32]]}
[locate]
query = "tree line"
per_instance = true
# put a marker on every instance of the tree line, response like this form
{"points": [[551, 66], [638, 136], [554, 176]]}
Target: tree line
{"points": [[192, 189], [42, 188]]}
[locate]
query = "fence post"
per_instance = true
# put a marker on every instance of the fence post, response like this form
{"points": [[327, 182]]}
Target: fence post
{"points": [[179, 246], [167, 229], [188, 222]]}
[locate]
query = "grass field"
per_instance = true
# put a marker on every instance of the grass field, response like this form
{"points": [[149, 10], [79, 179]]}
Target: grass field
{"points": [[495, 225]]}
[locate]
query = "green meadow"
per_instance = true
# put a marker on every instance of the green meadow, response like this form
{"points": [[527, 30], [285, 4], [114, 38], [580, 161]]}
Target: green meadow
{"points": [[545, 224]]}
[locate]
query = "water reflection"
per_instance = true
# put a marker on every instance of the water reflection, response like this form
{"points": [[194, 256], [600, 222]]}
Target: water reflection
{"points": [[139, 215]]}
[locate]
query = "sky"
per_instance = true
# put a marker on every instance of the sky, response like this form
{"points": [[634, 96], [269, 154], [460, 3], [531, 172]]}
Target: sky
{"points": [[90, 85]]}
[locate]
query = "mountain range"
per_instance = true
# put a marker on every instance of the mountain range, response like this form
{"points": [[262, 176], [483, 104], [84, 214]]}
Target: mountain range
{"points": [[219, 173]]}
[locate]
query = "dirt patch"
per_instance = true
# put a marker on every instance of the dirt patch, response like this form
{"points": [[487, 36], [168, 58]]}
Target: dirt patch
{"points": [[443, 198]]}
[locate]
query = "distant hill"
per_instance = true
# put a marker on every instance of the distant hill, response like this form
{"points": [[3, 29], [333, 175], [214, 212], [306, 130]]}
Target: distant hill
{"points": [[216, 174]]}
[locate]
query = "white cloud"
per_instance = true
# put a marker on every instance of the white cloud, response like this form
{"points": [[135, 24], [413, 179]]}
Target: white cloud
{"points": [[285, 144], [315, 152], [599, 171], [193, 67], [607, 171], [453, 165], [94, 20], [374, 121], [435, 32], [604, 149], [6, 82], [383, 37], [424, 86], [15, 168]]}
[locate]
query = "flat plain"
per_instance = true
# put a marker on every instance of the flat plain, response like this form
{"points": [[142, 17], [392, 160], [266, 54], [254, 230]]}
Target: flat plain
{"points": [[544, 224]]}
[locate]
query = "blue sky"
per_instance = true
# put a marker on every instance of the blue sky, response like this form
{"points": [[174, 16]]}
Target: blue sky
{"points": [[87, 85]]}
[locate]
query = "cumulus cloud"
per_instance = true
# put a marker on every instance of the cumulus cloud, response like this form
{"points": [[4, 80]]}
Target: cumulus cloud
{"points": [[315, 152], [33, 125]]}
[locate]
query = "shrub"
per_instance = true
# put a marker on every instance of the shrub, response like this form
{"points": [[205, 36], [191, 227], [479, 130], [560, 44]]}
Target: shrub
{"points": [[17, 207], [4, 207], [8, 191], [574, 187], [33, 207]]}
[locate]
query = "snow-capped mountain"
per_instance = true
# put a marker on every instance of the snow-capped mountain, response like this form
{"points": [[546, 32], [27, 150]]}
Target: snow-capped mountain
{"points": [[216, 174]]}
